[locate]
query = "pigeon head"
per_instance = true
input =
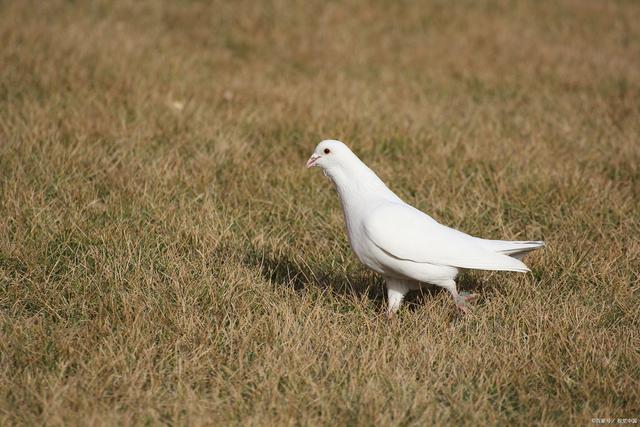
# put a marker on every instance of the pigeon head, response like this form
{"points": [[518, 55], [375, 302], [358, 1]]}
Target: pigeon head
{"points": [[331, 154], [349, 174]]}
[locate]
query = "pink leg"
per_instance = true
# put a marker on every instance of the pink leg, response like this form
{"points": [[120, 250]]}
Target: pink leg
{"points": [[460, 299]]}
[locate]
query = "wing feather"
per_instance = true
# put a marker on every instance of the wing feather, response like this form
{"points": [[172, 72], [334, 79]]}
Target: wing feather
{"points": [[407, 233]]}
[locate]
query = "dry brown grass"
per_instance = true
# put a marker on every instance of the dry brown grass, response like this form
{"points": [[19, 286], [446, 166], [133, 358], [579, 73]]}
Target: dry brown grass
{"points": [[167, 265]]}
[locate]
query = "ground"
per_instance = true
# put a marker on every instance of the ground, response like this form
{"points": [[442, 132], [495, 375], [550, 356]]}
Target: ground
{"points": [[165, 257]]}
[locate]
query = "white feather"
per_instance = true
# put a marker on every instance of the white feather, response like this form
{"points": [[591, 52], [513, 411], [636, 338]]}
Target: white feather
{"points": [[402, 243], [407, 233]]}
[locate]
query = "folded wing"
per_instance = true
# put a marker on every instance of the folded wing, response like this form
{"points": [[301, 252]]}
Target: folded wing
{"points": [[407, 233]]}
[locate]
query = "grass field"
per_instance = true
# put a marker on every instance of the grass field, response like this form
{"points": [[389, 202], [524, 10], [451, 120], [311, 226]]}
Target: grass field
{"points": [[165, 257]]}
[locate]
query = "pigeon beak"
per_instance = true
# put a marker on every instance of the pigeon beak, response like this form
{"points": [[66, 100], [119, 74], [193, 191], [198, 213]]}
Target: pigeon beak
{"points": [[312, 160]]}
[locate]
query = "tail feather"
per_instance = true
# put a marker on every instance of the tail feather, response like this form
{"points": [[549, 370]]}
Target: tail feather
{"points": [[515, 249]]}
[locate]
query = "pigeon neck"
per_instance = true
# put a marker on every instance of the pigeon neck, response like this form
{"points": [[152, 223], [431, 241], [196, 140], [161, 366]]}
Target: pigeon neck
{"points": [[358, 187]]}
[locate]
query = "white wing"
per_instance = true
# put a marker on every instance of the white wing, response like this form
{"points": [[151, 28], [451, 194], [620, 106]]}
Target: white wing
{"points": [[407, 233]]}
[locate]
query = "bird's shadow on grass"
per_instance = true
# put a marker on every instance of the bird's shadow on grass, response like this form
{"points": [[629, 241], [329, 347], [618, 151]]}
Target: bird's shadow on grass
{"points": [[283, 270], [288, 271]]}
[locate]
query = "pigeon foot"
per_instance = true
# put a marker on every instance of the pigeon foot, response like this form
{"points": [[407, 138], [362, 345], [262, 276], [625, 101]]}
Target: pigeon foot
{"points": [[462, 299]]}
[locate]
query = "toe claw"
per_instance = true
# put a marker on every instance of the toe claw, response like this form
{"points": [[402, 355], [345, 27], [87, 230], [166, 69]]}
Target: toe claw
{"points": [[462, 299], [464, 309]]}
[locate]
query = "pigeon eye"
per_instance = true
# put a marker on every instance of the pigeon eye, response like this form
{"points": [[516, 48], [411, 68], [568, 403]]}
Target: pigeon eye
{"points": [[327, 151]]}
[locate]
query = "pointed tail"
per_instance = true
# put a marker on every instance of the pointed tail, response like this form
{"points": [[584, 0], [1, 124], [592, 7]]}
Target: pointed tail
{"points": [[515, 249]]}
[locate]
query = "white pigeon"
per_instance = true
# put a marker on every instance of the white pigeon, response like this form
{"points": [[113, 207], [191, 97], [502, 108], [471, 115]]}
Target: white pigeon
{"points": [[406, 246]]}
